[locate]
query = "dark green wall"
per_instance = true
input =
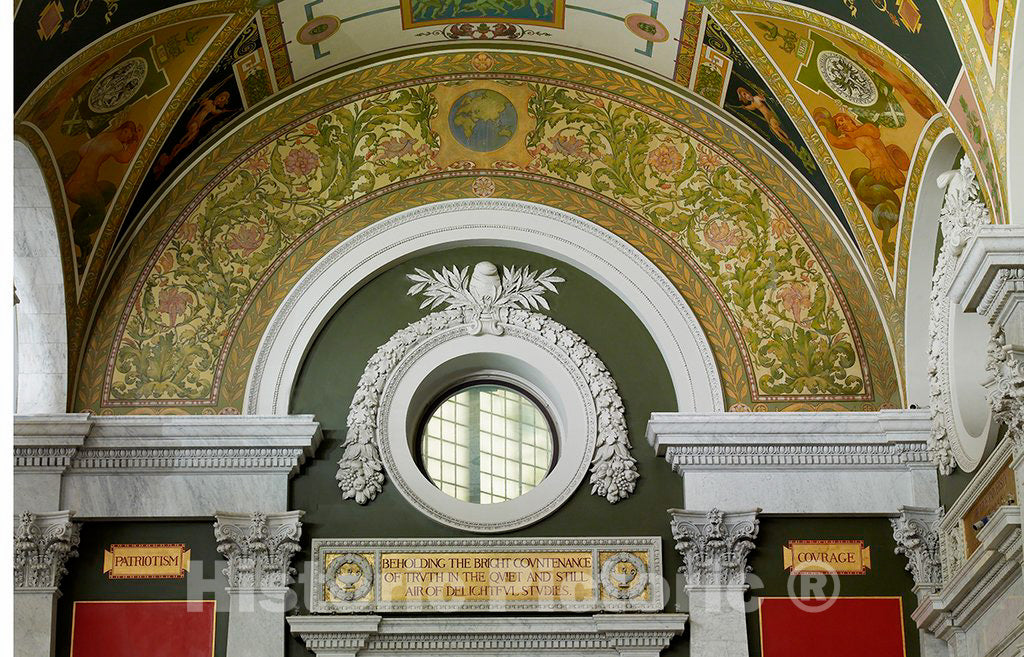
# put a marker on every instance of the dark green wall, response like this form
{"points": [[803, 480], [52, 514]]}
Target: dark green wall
{"points": [[86, 581], [381, 307], [886, 577]]}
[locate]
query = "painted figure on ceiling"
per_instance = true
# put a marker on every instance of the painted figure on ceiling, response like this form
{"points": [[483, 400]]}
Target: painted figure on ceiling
{"points": [[988, 23], [46, 114], [877, 183], [757, 103], [917, 98], [81, 171], [208, 108]]}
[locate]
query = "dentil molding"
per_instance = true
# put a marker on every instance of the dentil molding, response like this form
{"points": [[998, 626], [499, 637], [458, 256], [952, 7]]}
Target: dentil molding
{"points": [[43, 543], [714, 545], [641, 635], [259, 548], [845, 462], [158, 465]]}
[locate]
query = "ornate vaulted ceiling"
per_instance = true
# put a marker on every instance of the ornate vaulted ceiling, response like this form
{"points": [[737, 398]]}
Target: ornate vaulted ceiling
{"points": [[766, 155]]}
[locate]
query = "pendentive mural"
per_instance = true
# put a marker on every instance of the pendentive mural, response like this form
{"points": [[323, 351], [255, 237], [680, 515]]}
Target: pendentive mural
{"points": [[869, 114], [95, 119]]}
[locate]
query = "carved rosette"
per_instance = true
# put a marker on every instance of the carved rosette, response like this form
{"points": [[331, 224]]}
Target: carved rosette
{"points": [[259, 548], [962, 216], [43, 543], [917, 535], [486, 303], [714, 545]]}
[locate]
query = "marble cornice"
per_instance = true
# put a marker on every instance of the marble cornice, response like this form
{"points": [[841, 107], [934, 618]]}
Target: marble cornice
{"points": [[996, 250], [371, 634], [845, 439], [83, 443]]}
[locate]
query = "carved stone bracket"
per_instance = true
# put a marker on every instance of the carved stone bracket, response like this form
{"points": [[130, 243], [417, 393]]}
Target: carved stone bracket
{"points": [[487, 303], [43, 543], [259, 548], [714, 545], [917, 532], [962, 216]]}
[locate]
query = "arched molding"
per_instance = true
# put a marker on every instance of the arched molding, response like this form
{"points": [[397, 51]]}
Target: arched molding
{"points": [[962, 423], [921, 264], [1014, 181], [493, 222], [41, 375]]}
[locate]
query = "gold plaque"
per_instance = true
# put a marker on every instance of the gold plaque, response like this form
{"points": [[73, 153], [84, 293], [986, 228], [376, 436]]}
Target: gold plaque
{"points": [[146, 561], [999, 492], [828, 557], [480, 574]]}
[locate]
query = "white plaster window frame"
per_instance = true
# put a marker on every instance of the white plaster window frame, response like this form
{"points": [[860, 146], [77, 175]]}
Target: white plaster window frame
{"points": [[492, 222], [452, 355]]}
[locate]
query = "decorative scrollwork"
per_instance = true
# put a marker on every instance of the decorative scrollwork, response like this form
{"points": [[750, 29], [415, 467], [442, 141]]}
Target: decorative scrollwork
{"points": [[624, 583], [916, 532], [42, 546], [963, 213], [259, 548], [714, 546], [348, 584], [486, 301]]}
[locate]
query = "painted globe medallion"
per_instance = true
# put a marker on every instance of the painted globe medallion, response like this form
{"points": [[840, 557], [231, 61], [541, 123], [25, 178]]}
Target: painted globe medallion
{"points": [[483, 120]]}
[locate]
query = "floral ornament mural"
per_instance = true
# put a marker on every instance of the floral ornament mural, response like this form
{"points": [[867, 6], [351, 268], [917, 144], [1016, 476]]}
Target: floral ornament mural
{"points": [[786, 305]]}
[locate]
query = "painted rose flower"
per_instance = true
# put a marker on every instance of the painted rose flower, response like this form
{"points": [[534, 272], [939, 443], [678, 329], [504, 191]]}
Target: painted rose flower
{"points": [[173, 302], [796, 299], [310, 129], [247, 239], [721, 236], [665, 159], [570, 146], [301, 161]]}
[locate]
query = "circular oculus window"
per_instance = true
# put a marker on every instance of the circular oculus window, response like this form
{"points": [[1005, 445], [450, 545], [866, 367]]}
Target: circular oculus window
{"points": [[486, 443]]}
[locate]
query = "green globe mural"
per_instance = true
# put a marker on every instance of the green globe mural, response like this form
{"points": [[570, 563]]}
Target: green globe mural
{"points": [[483, 120]]}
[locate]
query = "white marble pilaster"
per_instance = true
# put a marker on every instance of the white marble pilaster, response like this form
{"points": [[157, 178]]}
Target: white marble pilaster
{"points": [[916, 531], [259, 548], [41, 338], [43, 543], [714, 546]]}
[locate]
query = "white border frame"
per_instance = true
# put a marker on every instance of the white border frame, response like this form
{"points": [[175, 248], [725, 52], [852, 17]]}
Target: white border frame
{"points": [[431, 367], [496, 222]]}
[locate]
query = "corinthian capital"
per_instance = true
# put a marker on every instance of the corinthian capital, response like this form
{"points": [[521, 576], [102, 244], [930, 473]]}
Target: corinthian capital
{"points": [[259, 547], [916, 531], [714, 545], [1006, 387], [43, 543]]}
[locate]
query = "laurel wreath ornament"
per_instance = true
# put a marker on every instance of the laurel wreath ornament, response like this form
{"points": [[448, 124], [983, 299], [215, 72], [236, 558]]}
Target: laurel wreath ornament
{"points": [[487, 302]]}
